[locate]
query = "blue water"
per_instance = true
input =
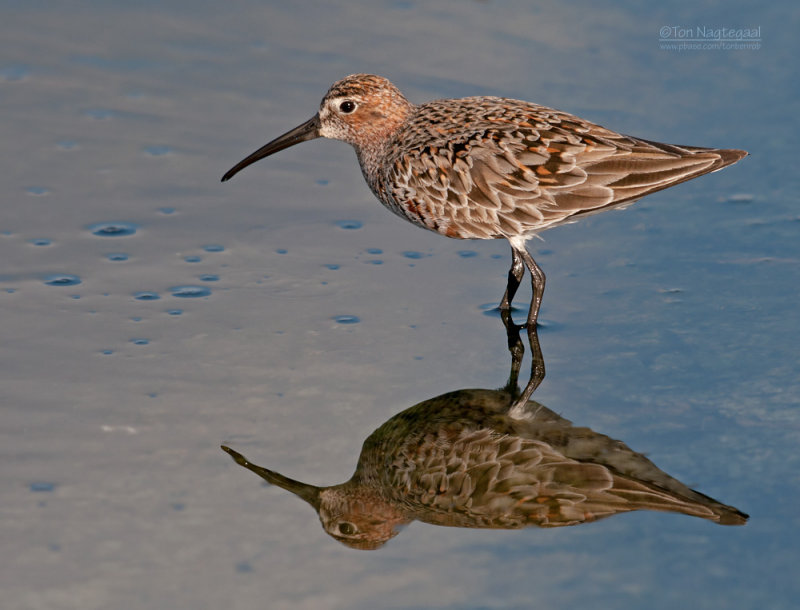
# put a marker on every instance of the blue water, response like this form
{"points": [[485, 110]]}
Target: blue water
{"points": [[671, 326]]}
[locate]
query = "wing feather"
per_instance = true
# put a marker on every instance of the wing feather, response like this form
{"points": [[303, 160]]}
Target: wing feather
{"points": [[526, 168]]}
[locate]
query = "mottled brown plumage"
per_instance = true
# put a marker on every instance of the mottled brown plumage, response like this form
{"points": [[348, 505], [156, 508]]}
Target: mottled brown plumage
{"points": [[491, 167]]}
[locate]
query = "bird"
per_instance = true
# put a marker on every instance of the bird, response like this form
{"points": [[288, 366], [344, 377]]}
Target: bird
{"points": [[492, 459], [491, 167], [462, 460]]}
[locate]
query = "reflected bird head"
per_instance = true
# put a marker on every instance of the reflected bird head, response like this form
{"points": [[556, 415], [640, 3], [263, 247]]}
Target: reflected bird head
{"points": [[352, 514], [359, 518]]}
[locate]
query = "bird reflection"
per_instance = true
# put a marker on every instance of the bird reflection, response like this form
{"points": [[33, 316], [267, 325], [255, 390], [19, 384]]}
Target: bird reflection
{"points": [[482, 458]]}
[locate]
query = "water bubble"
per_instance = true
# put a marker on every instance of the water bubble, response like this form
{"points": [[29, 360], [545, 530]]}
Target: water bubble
{"points": [[349, 224], [146, 295], [43, 486], [11, 74], [40, 242], [332, 266], [739, 198], [323, 182], [175, 312], [213, 248], [193, 259], [375, 261], [113, 229], [158, 151], [346, 319], [117, 256], [374, 251], [413, 254], [190, 292], [209, 277], [140, 341], [166, 210], [107, 352], [99, 114], [38, 191], [467, 253], [62, 279]]}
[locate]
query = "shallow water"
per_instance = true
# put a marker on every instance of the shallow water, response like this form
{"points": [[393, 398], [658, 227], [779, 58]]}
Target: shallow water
{"points": [[151, 313]]}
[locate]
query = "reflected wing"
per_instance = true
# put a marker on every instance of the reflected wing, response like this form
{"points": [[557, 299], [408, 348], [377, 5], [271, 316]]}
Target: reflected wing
{"points": [[482, 479]]}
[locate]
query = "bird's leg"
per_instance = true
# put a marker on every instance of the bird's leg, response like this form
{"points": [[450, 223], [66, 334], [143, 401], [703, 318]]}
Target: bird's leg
{"points": [[514, 278], [537, 284], [537, 362], [516, 349], [537, 374]]}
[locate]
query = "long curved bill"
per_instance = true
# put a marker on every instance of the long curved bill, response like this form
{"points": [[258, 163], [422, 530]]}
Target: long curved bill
{"points": [[307, 131], [307, 492]]}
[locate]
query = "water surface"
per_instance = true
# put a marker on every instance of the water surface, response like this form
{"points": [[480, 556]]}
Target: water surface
{"points": [[671, 326]]}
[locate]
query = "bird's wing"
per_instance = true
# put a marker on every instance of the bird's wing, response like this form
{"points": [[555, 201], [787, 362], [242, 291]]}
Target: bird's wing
{"points": [[523, 175]]}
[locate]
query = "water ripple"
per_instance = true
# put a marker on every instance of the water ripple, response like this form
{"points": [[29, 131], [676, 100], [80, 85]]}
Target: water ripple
{"points": [[113, 229], [190, 292], [62, 279], [346, 319]]}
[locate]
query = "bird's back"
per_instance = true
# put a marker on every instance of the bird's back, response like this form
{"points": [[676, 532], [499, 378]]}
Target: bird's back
{"points": [[488, 167]]}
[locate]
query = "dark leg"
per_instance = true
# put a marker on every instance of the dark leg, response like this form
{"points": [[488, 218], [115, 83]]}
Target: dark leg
{"points": [[537, 284], [516, 349], [518, 409], [514, 278]]}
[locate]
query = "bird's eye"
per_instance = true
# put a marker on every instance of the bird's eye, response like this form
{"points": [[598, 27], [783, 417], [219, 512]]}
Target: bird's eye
{"points": [[347, 106], [347, 529]]}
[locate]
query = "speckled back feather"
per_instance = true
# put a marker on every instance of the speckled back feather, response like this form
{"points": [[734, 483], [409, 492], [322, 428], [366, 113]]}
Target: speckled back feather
{"points": [[489, 167]]}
